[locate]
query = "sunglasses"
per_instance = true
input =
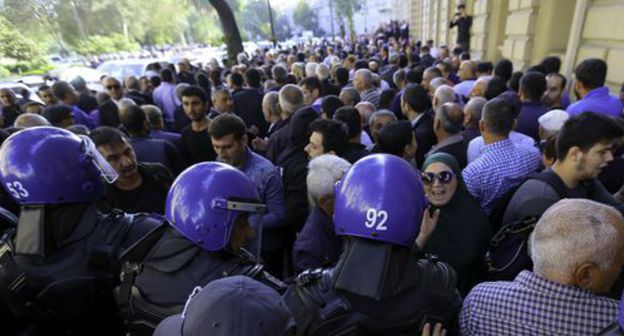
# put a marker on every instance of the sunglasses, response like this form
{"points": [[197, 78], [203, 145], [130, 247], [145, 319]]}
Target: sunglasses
{"points": [[114, 86], [443, 177]]}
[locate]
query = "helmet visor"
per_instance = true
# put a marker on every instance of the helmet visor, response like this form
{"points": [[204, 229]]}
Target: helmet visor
{"points": [[238, 205], [91, 153]]}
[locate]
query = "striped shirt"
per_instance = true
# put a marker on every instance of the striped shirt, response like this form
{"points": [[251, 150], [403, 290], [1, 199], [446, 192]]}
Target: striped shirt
{"points": [[372, 96], [532, 305]]}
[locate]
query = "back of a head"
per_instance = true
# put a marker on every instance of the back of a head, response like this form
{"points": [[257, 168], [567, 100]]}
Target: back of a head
{"points": [[444, 94], [351, 117], [436, 83], [55, 114], [573, 232], [586, 130], [153, 114], [451, 118], [322, 71], [416, 97], [342, 76], [290, 99], [237, 79], [330, 104], [253, 77], [26, 120], [311, 83], [366, 76], [279, 73], [393, 138], [499, 116], [485, 67], [132, 83], [133, 119], [552, 64], [475, 108], [533, 86], [592, 73], [495, 87], [414, 76], [61, 89], [323, 173], [166, 75], [79, 83], [504, 69]]}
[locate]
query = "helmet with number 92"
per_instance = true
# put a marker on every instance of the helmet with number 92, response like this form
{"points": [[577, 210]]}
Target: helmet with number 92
{"points": [[380, 198], [49, 165]]}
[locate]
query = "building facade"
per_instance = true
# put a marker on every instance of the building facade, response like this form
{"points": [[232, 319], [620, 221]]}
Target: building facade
{"points": [[525, 31]]}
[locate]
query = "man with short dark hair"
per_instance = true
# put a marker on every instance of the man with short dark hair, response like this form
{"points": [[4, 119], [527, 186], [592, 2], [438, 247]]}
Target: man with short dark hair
{"points": [[196, 145], [59, 115], [415, 105], [157, 125], [585, 146], [247, 103], [351, 118], [503, 165], [589, 88], [397, 139], [141, 187], [164, 96], [229, 140], [149, 149], [463, 22], [447, 126], [555, 90], [66, 94], [532, 88], [311, 88], [328, 137]]}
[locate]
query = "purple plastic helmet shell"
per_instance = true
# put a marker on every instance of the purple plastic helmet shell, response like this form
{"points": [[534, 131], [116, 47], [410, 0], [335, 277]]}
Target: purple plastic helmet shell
{"points": [[380, 198], [194, 203], [49, 165]]}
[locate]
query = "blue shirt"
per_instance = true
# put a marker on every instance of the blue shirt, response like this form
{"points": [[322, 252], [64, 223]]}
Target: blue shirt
{"points": [[527, 120], [502, 166], [597, 100], [268, 182], [81, 118], [166, 99], [532, 305]]}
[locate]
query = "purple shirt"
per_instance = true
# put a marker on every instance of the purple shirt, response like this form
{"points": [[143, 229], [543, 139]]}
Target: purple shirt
{"points": [[527, 120], [81, 118], [597, 100], [165, 98]]}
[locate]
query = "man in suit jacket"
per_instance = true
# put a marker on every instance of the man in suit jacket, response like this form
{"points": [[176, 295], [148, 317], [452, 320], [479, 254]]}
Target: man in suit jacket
{"points": [[290, 100], [248, 105], [447, 126], [415, 105]]}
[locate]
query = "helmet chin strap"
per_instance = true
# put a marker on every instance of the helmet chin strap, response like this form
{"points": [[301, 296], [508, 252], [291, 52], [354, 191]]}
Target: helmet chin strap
{"points": [[30, 231]]}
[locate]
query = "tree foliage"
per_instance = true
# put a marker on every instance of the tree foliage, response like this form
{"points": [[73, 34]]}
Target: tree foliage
{"points": [[305, 17], [346, 9]]}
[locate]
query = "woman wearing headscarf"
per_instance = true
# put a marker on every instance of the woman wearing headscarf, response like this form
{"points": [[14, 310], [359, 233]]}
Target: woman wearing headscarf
{"points": [[463, 232]]}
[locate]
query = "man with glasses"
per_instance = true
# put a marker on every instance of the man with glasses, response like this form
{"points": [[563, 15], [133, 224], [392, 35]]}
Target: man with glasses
{"points": [[115, 90]]}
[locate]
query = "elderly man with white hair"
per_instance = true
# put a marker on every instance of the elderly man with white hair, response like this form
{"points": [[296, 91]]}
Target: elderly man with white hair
{"points": [[577, 248], [363, 82], [27, 120], [443, 94], [317, 245]]}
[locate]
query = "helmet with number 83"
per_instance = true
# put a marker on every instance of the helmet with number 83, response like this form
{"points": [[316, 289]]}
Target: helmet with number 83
{"points": [[49, 165], [380, 198], [206, 199]]}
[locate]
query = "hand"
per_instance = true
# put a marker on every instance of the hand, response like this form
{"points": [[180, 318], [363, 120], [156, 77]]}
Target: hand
{"points": [[259, 144], [427, 226], [437, 330], [254, 130]]}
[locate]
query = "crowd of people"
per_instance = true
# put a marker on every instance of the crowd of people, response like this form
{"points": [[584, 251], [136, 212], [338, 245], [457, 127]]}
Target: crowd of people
{"points": [[373, 188]]}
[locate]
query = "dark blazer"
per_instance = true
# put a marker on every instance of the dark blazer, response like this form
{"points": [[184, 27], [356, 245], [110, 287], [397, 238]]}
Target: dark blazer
{"points": [[248, 106], [425, 138], [458, 150], [278, 141]]}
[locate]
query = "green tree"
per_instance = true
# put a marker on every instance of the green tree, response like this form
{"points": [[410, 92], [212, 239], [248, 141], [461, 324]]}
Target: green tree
{"points": [[13, 44], [305, 17], [346, 9]]}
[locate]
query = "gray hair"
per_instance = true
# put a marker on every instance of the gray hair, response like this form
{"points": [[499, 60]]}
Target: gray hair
{"points": [[475, 108], [179, 88], [153, 114], [437, 83], [367, 77], [381, 113], [399, 76], [322, 71], [290, 99], [124, 103], [26, 120], [444, 94], [573, 232], [310, 69], [271, 101], [451, 118], [279, 72], [366, 110], [323, 172]]}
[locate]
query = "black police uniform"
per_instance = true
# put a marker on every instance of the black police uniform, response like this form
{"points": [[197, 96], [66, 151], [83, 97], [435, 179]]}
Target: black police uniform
{"points": [[59, 268], [375, 289], [160, 273]]}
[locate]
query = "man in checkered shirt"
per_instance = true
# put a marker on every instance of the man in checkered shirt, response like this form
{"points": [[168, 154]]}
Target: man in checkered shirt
{"points": [[503, 164], [577, 249]]}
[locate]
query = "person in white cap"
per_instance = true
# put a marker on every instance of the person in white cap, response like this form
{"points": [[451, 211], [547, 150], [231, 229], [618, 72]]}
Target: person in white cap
{"points": [[551, 122]]}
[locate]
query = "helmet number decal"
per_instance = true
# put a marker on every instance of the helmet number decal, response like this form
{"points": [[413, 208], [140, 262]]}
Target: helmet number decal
{"points": [[17, 190], [376, 219]]}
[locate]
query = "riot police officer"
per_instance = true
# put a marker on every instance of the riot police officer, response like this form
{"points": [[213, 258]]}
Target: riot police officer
{"points": [[59, 268], [381, 285], [207, 207]]}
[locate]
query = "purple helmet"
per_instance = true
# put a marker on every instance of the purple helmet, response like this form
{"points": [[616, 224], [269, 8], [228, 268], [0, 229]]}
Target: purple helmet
{"points": [[49, 165], [380, 198], [204, 201]]}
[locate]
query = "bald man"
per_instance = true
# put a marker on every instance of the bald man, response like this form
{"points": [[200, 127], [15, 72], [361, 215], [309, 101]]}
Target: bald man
{"points": [[443, 94], [467, 74], [472, 115], [27, 120], [577, 248], [447, 126]]}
